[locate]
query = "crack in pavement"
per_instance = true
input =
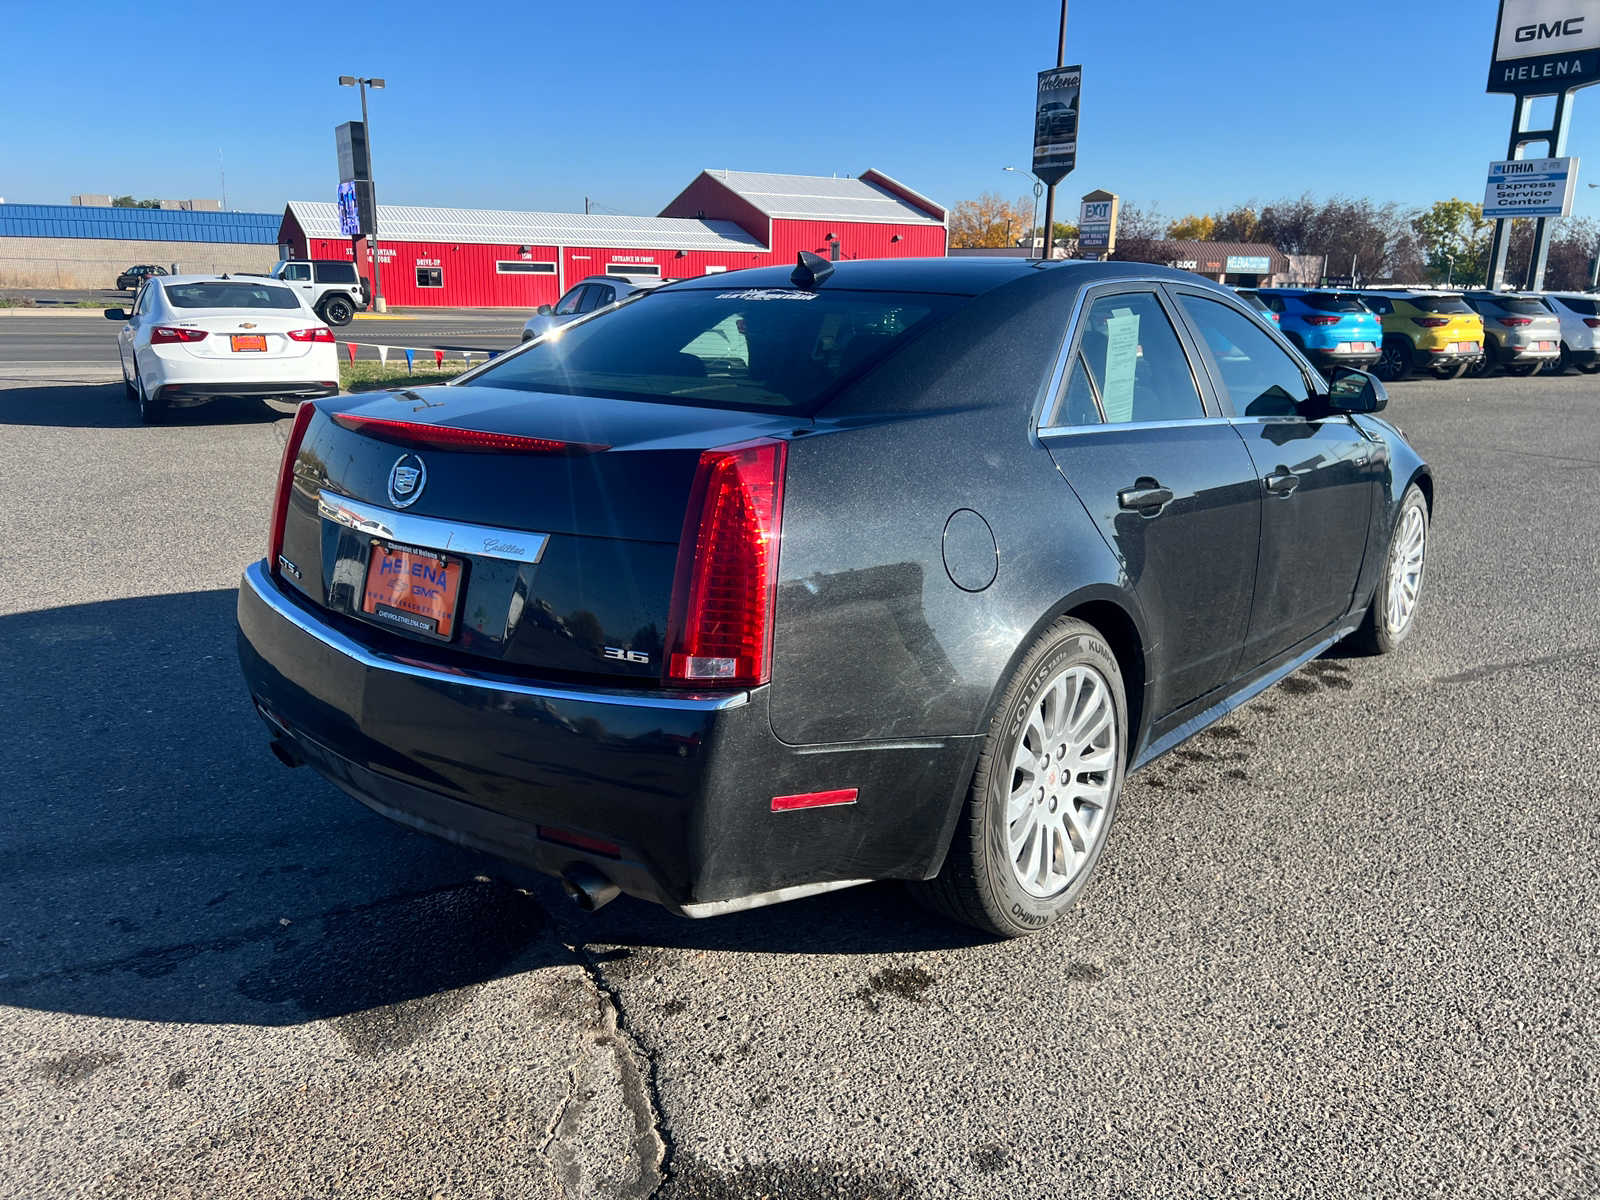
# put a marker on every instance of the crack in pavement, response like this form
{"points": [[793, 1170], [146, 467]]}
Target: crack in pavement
{"points": [[650, 1144]]}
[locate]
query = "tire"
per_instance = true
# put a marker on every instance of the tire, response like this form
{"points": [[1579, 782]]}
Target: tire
{"points": [[1565, 361], [1395, 362], [337, 310], [1390, 620], [1589, 368], [1069, 675], [152, 410]]}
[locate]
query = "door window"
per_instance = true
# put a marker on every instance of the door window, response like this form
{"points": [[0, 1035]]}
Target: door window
{"points": [[569, 302], [335, 273], [146, 300], [1260, 377], [297, 272], [598, 297], [1135, 363]]}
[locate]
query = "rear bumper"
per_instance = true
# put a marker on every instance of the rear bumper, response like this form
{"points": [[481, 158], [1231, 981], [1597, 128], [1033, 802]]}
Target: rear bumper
{"points": [[199, 393], [669, 796], [1341, 355]]}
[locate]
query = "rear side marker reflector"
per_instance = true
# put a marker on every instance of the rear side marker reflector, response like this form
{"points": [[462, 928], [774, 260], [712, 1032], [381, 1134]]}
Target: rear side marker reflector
{"points": [[448, 437], [579, 841], [814, 800]]}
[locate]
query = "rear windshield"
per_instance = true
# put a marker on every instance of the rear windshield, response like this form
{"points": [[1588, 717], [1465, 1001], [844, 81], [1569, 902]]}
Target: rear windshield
{"points": [[753, 349], [230, 295], [1583, 305], [1438, 304], [1328, 302], [1528, 306]]}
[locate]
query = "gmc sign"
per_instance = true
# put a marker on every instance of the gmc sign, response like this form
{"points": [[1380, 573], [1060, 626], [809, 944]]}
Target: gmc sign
{"points": [[1545, 46]]}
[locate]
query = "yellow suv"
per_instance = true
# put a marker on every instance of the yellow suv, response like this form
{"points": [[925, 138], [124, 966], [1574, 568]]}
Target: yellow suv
{"points": [[1426, 331]]}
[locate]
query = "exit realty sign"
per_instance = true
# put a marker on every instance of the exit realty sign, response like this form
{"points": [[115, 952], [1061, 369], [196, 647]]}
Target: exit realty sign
{"points": [[1542, 47]]}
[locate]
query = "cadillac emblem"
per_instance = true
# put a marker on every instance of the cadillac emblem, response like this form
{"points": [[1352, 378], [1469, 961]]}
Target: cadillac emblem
{"points": [[406, 480]]}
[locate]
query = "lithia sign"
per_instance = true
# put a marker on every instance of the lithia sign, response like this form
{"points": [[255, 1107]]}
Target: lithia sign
{"points": [[1545, 46]]}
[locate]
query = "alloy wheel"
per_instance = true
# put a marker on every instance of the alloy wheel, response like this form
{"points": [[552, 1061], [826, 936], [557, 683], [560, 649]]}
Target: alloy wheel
{"points": [[1405, 569], [1062, 770]]}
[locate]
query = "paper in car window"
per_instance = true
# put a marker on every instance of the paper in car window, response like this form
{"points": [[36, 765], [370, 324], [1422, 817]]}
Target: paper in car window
{"points": [[1122, 357]]}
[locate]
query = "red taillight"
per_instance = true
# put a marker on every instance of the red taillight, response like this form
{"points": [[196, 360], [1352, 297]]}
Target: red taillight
{"points": [[1322, 320], [1431, 322], [1514, 321], [280, 502], [1592, 322], [320, 334], [162, 335], [447, 437], [720, 631], [1276, 319]]}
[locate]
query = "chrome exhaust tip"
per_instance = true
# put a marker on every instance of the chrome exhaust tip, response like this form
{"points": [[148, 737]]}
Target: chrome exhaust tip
{"points": [[589, 889], [285, 753]]}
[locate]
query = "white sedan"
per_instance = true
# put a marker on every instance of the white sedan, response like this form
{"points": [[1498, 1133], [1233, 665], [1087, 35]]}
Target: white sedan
{"points": [[192, 338]]}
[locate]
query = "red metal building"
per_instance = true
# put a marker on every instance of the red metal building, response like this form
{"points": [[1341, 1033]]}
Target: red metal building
{"points": [[722, 221]]}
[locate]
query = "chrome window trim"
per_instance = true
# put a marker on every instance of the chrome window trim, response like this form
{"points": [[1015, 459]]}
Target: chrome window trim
{"points": [[261, 585], [1052, 431], [431, 533]]}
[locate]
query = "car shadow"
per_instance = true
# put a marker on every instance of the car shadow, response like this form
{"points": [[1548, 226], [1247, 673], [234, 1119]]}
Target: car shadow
{"points": [[158, 863], [105, 406]]}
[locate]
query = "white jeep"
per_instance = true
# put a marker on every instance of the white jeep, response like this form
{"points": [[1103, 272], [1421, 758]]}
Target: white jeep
{"points": [[330, 288]]}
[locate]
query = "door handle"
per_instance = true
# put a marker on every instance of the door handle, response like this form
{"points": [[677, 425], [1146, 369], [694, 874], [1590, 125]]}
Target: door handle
{"points": [[1146, 497], [1282, 482]]}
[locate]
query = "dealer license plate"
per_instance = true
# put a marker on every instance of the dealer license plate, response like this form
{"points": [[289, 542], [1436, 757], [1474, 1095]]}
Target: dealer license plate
{"points": [[245, 342], [412, 589], [1362, 347], [1463, 347], [1547, 345]]}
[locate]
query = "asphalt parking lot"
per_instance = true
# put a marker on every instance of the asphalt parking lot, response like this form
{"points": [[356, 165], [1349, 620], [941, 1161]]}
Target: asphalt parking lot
{"points": [[1343, 944]]}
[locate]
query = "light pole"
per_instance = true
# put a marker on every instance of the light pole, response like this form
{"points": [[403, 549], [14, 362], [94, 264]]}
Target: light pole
{"points": [[356, 81], [1037, 188], [1594, 269], [1050, 192]]}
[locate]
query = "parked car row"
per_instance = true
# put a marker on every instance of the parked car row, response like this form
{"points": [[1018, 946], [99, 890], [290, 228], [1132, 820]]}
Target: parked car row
{"points": [[1402, 331]]}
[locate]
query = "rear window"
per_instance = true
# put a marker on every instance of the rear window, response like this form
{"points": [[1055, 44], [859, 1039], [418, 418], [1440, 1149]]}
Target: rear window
{"points": [[1583, 305], [1329, 302], [752, 349], [1527, 306], [1438, 304], [230, 295]]}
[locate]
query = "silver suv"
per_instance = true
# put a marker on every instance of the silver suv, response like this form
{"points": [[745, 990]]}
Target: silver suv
{"points": [[1579, 314], [586, 296], [1520, 333]]}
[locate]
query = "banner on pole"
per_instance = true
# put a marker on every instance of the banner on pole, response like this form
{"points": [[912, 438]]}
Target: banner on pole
{"points": [[1055, 123]]}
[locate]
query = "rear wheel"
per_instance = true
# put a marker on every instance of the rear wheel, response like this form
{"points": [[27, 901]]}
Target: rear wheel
{"points": [[1561, 364], [152, 409], [1045, 791], [337, 310], [1395, 361], [1394, 604]]}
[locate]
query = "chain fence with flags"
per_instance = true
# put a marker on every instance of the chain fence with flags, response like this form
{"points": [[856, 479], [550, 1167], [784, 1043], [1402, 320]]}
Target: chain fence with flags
{"points": [[381, 351]]}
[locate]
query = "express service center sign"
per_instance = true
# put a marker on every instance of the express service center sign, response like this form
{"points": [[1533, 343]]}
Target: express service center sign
{"points": [[1542, 47], [1531, 187]]}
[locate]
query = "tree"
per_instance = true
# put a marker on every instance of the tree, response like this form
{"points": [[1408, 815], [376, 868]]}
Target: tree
{"points": [[1193, 228], [1061, 231], [1238, 224], [990, 221], [1140, 236], [1454, 239], [130, 202]]}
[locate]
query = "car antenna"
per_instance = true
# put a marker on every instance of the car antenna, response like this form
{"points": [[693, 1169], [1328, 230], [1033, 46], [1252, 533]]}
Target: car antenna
{"points": [[810, 270]]}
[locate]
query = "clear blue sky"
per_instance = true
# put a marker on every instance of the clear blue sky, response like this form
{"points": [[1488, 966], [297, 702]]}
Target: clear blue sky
{"points": [[535, 105]]}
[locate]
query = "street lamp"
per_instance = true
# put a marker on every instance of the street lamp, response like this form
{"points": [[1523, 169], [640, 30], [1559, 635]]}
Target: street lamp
{"points": [[1049, 242], [356, 81]]}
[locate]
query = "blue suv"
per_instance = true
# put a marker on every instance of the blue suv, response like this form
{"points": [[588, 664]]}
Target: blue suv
{"points": [[1329, 328]]}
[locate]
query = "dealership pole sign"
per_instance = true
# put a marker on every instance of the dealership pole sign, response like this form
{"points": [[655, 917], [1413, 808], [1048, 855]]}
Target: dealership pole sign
{"points": [[1531, 187], [1545, 46], [1055, 123], [357, 213]]}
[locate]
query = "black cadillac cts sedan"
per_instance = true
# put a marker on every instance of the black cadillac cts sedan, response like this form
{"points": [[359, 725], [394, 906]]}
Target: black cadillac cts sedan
{"points": [[774, 582]]}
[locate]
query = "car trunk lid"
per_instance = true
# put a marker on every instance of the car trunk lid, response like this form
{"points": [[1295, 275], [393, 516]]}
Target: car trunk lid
{"points": [[548, 525]]}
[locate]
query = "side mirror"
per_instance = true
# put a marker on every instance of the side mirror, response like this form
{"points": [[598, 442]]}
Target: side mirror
{"points": [[1350, 390], [545, 310], [116, 314]]}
